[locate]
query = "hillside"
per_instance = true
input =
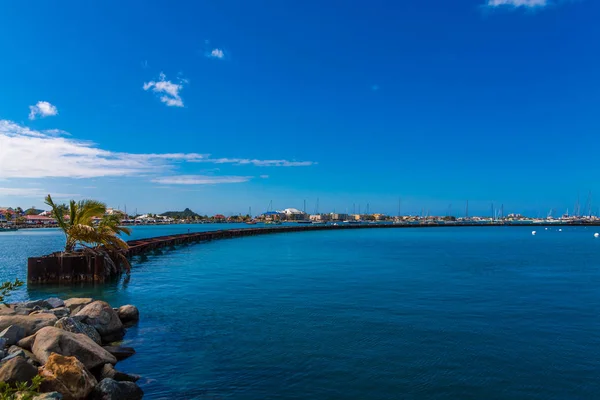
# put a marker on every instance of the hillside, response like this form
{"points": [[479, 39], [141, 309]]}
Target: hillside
{"points": [[187, 213]]}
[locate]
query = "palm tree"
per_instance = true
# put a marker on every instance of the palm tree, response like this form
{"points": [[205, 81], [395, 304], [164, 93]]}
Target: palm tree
{"points": [[8, 215], [79, 229]]}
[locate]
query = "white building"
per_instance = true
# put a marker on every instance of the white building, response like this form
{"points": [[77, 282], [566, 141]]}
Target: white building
{"points": [[293, 214]]}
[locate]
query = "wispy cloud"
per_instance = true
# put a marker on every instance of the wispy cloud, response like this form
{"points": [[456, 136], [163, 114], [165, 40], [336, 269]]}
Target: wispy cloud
{"points": [[216, 53], [517, 3], [264, 176], [168, 91], [200, 179], [31, 192], [42, 109], [27, 153], [258, 163]]}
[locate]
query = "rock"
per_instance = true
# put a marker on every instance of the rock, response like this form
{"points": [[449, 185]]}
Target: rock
{"points": [[29, 356], [77, 302], [26, 342], [35, 303], [17, 370], [20, 353], [108, 371], [12, 334], [72, 325], [31, 323], [54, 340], [22, 311], [48, 396], [68, 376], [55, 302], [80, 318], [120, 352], [128, 314], [59, 312], [109, 389], [42, 396], [106, 321], [7, 309], [3, 343]]}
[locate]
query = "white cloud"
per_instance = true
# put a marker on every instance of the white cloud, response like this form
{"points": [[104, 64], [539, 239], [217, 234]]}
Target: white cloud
{"points": [[518, 3], [258, 163], [42, 109], [27, 153], [200, 179], [217, 53], [264, 176], [168, 90]]}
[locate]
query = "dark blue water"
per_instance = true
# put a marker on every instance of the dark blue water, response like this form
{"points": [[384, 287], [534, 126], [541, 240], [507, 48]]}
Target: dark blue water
{"points": [[436, 313]]}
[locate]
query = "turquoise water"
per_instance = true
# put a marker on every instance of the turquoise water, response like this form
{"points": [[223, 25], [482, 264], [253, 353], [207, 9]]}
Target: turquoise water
{"points": [[436, 313]]}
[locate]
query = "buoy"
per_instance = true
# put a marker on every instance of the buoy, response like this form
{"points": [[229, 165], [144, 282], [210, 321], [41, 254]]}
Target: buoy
{"points": [[533, 232], [596, 234]]}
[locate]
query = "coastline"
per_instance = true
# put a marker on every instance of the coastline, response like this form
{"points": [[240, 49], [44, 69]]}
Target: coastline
{"points": [[67, 349]]}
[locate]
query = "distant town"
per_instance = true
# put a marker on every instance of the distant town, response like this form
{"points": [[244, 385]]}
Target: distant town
{"points": [[35, 218]]}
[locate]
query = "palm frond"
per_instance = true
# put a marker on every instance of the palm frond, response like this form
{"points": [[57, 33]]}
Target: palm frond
{"points": [[60, 219]]}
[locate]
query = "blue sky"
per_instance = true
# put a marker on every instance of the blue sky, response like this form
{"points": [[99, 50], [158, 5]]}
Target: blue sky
{"points": [[224, 105]]}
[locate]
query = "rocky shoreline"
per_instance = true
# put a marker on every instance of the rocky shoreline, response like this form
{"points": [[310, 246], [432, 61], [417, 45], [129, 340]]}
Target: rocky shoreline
{"points": [[73, 345]]}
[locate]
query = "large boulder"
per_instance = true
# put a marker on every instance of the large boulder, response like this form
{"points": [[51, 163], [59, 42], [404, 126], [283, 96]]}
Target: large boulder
{"points": [[128, 314], [77, 303], [31, 323], [17, 370], [50, 340], [101, 316], [72, 325], [109, 389], [108, 371], [13, 334], [68, 376]]}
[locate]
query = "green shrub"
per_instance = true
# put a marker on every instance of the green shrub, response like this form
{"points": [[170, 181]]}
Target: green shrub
{"points": [[26, 391]]}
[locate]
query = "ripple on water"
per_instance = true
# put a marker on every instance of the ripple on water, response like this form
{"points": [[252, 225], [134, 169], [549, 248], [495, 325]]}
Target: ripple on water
{"points": [[461, 313]]}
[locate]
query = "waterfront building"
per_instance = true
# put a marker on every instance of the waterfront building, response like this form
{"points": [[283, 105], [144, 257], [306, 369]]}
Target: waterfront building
{"points": [[272, 216], [320, 217], [39, 220], [293, 214], [338, 217]]}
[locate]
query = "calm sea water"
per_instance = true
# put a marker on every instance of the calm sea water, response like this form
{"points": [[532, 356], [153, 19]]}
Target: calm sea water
{"points": [[438, 313]]}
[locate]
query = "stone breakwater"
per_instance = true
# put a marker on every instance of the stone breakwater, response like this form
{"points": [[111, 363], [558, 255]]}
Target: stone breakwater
{"points": [[71, 344]]}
